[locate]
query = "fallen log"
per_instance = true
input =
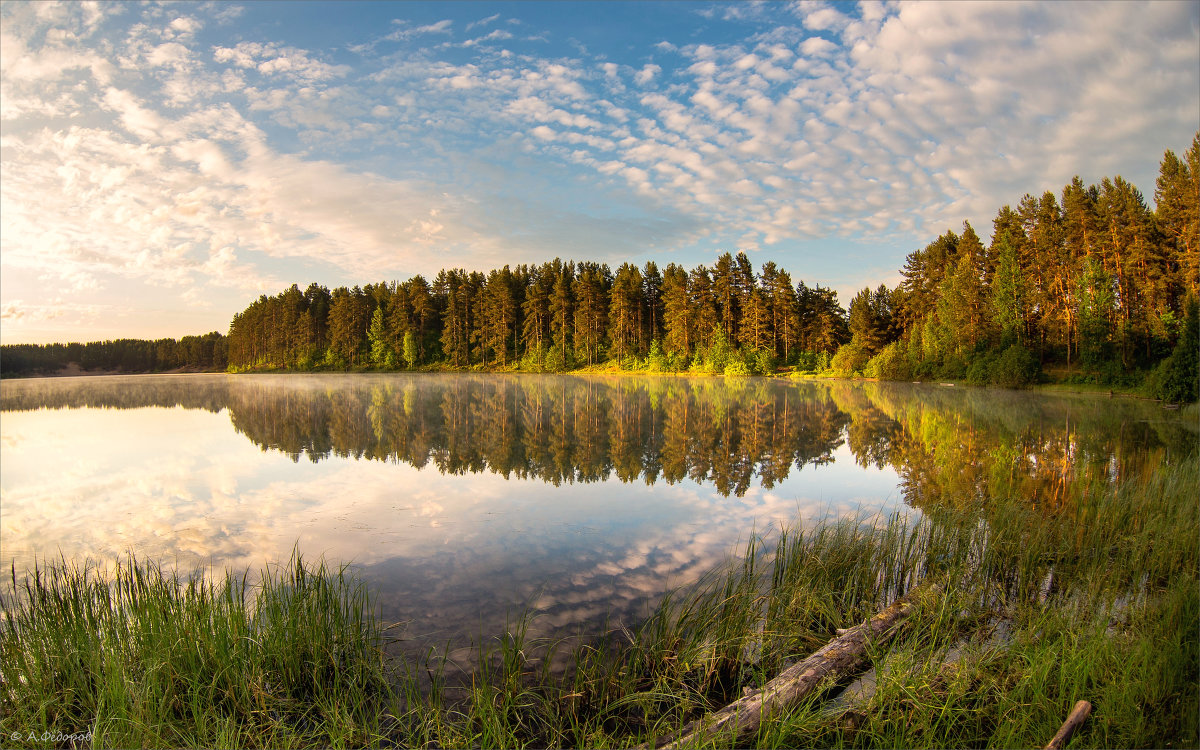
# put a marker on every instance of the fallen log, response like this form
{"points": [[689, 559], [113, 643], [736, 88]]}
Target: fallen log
{"points": [[743, 717], [1074, 720]]}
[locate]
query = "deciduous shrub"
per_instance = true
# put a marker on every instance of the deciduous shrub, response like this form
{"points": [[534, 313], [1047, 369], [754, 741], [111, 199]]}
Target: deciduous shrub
{"points": [[1016, 367], [890, 364], [850, 358]]}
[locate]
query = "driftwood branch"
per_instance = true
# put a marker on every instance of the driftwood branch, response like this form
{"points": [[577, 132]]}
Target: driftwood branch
{"points": [[1074, 720], [743, 717]]}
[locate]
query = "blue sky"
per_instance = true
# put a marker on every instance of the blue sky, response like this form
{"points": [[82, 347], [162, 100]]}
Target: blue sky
{"points": [[161, 165]]}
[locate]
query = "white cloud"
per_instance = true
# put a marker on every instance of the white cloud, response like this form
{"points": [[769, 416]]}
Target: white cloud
{"points": [[494, 35], [816, 46], [186, 25], [483, 21], [644, 76], [272, 59], [404, 33]]}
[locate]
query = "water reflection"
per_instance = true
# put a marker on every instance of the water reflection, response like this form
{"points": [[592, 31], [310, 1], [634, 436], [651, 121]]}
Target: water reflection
{"points": [[464, 498]]}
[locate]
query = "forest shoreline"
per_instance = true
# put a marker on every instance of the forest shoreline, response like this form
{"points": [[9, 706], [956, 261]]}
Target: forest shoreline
{"points": [[1049, 386]]}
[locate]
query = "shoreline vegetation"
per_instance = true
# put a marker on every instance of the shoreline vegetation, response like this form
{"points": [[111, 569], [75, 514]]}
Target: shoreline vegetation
{"points": [[1038, 608], [1091, 287], [1082, 382]]}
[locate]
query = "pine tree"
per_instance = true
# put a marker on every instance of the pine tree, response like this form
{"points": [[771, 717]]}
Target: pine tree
{"points": [[677, 313], [725, 294], [652, 282], [535, 331], [348, 319], [451, 286], [562, 310], [624, 312], [590, 312], [498, 315], [1007, 292], [1177, 214], [702, 302], [1097, 297]]}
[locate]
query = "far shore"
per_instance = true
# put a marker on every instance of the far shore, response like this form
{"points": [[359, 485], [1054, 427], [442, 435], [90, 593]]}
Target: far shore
{"points": [[73, 370]]}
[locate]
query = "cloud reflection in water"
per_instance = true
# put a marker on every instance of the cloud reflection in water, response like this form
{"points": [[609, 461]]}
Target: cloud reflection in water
{"points": [[455, 550], [464, 499]]}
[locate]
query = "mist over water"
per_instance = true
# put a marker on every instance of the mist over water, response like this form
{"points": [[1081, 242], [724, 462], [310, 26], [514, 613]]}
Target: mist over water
{"points": [[464, 499]]}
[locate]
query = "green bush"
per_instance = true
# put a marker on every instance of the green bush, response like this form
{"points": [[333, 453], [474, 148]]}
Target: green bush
{"points": [[890, 364], [851, 358], [979, 372], [806, 361], [1177, 378], [763, 361], [558, 359], [655, 360], [1016, 367], [737, 369], [952, 368]]}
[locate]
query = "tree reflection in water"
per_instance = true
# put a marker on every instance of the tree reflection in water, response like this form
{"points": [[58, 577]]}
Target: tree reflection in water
{"points": [[565, 436]]}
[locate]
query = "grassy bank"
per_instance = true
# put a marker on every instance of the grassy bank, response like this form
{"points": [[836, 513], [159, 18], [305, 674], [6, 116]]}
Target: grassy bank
{"points": [[135, 657], [1098, 601]]}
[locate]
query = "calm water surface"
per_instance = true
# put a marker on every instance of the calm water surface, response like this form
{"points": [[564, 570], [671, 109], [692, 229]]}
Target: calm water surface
{"points": [[464, 499]]}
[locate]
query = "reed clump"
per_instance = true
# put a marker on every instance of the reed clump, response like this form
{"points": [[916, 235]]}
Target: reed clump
{"points": [[137, 657], [1036, 608]]}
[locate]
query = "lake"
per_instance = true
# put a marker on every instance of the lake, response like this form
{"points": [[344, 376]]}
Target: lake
{"points": [[464, 499]]}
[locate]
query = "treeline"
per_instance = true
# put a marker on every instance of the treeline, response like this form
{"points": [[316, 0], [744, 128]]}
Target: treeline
{"points": [[550, 318], [207, 353], [1090, 285], [1094, 282]]}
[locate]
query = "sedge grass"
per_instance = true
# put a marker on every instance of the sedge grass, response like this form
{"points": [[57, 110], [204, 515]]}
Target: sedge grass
{"points": [[137, 657], [1038, 608]]}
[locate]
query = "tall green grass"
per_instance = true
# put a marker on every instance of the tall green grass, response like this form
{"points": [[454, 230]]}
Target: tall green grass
{"points": [[1037, 608], [137, 657]]}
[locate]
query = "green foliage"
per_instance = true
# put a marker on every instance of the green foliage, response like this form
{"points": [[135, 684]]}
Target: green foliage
{"points": [[806, 361], [1016, 367], [890, 364], [333, 360], [655, 360], [409, 348], [738, 369], [850, 359], [382, 354], [559, 359], [765, 361], [1008, 291], [1097, 308], [534, 359], [140, 658], [1177, 378], [979, 372], [714, 358], [952, 367]]}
